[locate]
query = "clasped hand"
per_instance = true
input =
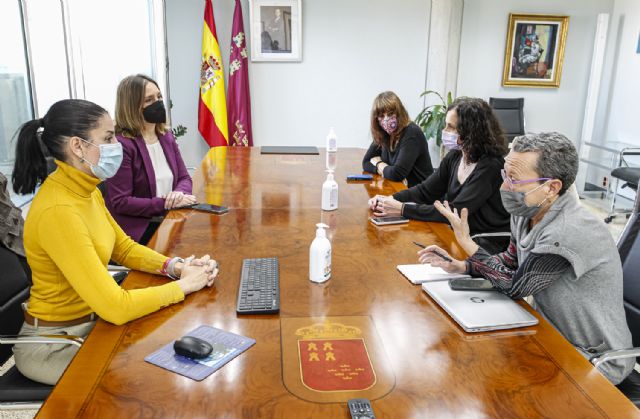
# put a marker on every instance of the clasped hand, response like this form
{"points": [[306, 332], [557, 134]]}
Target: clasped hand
{"points": [[176, 199], [385, 206], [195, 274]]}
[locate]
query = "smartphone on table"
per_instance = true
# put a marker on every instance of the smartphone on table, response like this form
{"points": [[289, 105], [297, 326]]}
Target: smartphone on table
{"points": [[466, 284], [213, 209], [383, 221], [359, 177]]}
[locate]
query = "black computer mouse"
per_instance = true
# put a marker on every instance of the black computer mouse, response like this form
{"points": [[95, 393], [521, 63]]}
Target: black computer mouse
{"points": [[192, 347]]}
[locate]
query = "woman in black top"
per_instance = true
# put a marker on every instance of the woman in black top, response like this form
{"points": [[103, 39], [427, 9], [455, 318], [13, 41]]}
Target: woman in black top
{"points": [[468, 177], [399, 149]]}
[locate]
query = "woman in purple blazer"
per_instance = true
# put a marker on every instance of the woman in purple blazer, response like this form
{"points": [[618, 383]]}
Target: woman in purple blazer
{"points": [[152, 177]]}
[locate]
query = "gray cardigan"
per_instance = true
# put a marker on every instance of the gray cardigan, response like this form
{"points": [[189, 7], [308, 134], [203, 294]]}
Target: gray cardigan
{"points": [[585, 303]]}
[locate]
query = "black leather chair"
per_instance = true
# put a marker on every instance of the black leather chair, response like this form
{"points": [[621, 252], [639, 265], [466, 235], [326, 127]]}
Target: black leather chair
{"points": [[629, 249], [629, 175], [510, 114], [16, 391]]}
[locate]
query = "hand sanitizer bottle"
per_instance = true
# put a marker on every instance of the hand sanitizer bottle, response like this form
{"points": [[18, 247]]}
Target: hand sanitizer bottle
{"points": [[332, 150], [329, 193], [320, 256], [332, 141]]}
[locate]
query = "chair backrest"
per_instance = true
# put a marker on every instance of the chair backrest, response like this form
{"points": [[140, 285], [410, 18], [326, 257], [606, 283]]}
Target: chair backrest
{"points": [[14, 289], [510, 114], [102, 187], [629, 249]]}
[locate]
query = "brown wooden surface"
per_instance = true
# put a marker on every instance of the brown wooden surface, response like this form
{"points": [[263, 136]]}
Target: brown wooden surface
{"points": [[439, 369]]}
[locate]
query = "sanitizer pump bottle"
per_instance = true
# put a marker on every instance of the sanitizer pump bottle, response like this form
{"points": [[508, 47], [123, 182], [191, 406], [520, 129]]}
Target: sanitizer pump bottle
{"points": [[332, 150], [329, 193], [332, 141], [320, 256]]}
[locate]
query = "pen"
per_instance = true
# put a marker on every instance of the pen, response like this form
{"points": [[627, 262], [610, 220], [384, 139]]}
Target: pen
{"points": [[448, 259]]}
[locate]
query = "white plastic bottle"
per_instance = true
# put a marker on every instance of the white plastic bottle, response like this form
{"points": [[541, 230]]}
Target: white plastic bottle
{"points": [[332, 150], [320, 256], [329, 193], [332, 141]]}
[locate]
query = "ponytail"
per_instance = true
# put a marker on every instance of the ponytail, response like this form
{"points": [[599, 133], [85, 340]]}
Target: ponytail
{"points": [[30, 167], [47, 137]]}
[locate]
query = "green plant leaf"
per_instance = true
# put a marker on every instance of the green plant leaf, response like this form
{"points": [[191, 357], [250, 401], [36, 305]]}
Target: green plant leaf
{"points": [[432, 92]]}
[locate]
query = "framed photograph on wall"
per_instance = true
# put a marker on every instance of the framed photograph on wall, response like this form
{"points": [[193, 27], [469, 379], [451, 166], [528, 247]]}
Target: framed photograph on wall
{"points": [[276, 30], [535, 50]]}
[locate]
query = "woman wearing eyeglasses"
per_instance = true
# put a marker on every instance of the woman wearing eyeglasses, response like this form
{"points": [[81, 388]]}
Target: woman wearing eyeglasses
{"points": [[153, 177], [399, 150], [468, 176], [559, 253]]}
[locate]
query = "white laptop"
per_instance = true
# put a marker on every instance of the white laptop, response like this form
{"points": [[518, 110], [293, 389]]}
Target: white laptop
{"points": [[420, 273], [479, 311]]}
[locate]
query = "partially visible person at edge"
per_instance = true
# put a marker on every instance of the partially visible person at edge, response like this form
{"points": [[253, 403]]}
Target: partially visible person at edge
{"points": [[70, 237], [11, 225], [399, 149], [468, 176], [575, 285], [152, 177]]}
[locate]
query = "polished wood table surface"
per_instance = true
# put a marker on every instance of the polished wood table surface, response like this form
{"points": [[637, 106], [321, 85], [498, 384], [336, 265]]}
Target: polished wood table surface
{"points": [[439, 370]]}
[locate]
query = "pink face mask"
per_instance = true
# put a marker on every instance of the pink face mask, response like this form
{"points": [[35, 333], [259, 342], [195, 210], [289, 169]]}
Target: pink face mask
{"points": [[388, 123]]}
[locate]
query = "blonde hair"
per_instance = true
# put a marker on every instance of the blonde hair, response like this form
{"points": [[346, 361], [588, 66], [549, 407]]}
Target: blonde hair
{"points": [[129, 101], [388, 103]]}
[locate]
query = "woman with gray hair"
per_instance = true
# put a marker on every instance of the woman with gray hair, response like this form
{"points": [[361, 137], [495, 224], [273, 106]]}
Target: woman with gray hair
{"points": [[576, 285]]}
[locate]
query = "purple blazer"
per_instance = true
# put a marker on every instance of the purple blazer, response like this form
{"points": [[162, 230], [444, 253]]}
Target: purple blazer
{"points": [[131, 193]]}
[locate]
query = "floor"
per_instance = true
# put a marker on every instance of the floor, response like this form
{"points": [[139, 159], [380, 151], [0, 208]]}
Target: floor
{"points": [[595, 205]]}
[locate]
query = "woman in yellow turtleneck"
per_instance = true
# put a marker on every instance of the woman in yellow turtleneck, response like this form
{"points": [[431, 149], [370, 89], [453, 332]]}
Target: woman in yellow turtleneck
{"points": [[70, 237]]}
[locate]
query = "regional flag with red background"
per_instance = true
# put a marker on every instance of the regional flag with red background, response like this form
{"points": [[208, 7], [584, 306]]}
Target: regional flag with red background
{"points": [[239, 100], [212, 106]]}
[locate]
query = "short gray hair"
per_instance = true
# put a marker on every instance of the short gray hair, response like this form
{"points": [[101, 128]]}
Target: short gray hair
{"points": [[557, 156]]}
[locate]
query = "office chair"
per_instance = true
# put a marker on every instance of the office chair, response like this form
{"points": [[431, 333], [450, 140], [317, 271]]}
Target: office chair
{"points": [[629, 175], [17, 391], [510, 114], [629, 249]]}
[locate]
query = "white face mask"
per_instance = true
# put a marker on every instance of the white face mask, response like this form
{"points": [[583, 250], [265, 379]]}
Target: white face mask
{"points": [[450, 140], [109, 161]]}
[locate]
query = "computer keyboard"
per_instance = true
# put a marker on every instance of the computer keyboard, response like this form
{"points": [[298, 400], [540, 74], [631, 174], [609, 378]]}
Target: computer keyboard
{"points": [[259, 290]]}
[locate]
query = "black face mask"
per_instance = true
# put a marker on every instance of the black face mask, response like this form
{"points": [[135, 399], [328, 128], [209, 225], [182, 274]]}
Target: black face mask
{"points": [[155, 113]]}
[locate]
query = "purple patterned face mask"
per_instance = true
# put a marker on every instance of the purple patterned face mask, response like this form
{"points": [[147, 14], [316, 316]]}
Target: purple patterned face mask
{"points": [[388, 123], [450, 140]]}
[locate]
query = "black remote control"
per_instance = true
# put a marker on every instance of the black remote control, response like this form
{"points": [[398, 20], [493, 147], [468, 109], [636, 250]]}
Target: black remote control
{"points": [[360, 409]]}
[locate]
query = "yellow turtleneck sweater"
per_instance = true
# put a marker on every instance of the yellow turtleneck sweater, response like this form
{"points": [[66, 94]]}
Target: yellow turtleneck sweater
{"points": [[69, 238]]}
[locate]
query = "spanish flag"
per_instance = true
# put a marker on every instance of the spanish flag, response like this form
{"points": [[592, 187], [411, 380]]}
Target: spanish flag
{"points": [[212, 107]]}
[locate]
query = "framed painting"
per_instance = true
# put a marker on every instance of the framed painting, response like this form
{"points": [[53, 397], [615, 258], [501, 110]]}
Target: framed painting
{"points": [[276, 30], [535, 50]]}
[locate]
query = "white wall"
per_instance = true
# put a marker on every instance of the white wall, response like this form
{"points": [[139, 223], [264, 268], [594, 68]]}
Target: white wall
{"points": [[373, 45], [484, 31], [621, 79]]}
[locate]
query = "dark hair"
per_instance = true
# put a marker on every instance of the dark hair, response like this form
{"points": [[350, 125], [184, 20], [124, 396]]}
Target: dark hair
{"points": [[48, 136], [479, 130], [389, 103]]}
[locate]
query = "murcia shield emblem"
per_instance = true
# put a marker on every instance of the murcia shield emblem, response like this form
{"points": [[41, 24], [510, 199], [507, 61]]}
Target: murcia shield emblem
{"points": [[334, 357]]}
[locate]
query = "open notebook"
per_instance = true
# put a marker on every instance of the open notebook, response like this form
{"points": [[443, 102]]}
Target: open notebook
{"points": [[420, 273]]}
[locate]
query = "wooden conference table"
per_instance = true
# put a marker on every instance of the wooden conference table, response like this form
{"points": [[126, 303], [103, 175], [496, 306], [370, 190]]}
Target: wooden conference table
{"points": [[432, 367]]}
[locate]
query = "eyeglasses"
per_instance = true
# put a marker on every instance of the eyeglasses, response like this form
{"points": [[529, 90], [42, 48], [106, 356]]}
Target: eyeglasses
{"points": [[511, 182]]}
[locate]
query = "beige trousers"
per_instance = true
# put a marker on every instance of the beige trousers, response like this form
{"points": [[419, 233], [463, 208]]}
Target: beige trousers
{"points": [[45, 363]]}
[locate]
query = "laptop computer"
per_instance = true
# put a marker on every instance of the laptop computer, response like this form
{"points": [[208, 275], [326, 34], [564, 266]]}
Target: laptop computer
{"points": [[479, 311], [289, 150]]}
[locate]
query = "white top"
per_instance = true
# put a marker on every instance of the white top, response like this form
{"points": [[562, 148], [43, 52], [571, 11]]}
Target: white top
{"points": [[164, 175]]}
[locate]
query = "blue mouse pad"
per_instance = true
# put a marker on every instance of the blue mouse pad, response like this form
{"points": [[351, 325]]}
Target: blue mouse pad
{"points": [[226, 346]]}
